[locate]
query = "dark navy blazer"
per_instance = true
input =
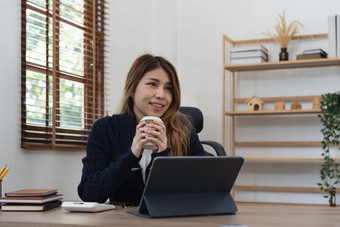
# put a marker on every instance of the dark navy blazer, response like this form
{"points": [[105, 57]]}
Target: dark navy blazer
{"points": [[109, 170]]}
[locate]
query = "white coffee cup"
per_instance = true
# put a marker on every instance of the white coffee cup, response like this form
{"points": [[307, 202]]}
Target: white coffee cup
{"points": [[150, 145]]}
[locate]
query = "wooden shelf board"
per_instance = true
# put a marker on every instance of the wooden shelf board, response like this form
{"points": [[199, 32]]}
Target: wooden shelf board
{"points": [[284, 65], [279, 144], [278, 188], [273, 112], [279, 204], [298, 37], [290, 160], [286, 98]]}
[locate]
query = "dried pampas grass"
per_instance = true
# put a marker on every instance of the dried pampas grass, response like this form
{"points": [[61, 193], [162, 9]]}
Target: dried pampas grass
{"points": [[283, 33]]}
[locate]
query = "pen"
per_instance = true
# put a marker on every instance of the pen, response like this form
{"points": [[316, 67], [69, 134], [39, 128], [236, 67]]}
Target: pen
{"points": [[3, 170], [128, 205], [136, 169], [2, 176]]}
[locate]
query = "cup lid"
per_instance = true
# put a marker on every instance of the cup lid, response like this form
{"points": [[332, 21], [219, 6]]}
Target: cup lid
{"points": [[151, 118]]}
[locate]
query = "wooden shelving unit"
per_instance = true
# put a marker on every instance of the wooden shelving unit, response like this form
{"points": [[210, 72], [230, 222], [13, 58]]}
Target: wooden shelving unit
{"points": [[230, 102], [230, 113]]}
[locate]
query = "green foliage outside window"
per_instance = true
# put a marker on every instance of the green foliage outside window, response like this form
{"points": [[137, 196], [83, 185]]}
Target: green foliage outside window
{"points": [[71, 93]]}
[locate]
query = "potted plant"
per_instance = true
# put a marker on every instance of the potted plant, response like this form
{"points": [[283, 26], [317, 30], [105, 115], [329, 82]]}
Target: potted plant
{"points": [[330, 119], [284, 34]]}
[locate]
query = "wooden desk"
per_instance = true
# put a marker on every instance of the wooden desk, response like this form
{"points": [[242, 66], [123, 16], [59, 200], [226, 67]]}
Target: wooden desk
{"points": [[250, 215]]}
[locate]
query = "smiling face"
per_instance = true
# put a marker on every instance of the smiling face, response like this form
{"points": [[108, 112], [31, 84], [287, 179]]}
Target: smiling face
{"points": [[153, 94]]}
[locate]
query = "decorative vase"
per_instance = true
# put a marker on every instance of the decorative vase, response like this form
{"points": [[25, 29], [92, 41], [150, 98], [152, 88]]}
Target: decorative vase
{"points": [[283, 54], [332, 201]]}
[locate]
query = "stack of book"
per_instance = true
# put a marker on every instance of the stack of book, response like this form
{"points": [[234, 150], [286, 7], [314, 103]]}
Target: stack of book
{"points": [[312, 54], [31, 200], [244, 55]]}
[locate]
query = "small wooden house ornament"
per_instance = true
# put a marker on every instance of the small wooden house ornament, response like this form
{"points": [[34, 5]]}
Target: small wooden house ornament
{"points": [[280, 105], [296, 106], [254, 104], [316, 104]]}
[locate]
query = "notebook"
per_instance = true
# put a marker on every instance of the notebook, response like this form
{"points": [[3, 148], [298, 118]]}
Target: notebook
{"points": [[32, 192], [189, 186], [29, 206]]}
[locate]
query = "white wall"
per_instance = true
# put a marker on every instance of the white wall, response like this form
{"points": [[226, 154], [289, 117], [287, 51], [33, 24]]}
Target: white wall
{"points": [[189, 33], [136, 28], [129, 35]]}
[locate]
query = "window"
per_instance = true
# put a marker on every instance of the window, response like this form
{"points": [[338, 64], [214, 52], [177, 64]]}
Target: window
{"points": [[62, 89]]}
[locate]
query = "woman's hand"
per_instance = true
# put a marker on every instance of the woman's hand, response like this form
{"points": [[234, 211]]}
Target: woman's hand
{"points": [[154, 132], [139, 139]]}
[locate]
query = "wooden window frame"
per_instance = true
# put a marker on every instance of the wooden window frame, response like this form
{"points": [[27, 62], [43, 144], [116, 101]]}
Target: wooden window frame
{"points": [[51, 135]]}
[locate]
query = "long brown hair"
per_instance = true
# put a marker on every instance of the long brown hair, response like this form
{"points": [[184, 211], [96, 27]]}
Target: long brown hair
{"points": [[178, 127]]}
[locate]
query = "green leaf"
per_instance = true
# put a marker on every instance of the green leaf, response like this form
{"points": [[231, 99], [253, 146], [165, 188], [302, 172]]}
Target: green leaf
{"points": [[330, 119]]}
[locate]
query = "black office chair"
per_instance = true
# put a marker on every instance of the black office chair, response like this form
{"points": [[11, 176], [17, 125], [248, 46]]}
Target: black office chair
{"points": [[196, 116]]}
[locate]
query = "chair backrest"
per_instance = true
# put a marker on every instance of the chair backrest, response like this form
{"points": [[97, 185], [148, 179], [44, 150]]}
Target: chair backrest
{"points": [[196, 116]]}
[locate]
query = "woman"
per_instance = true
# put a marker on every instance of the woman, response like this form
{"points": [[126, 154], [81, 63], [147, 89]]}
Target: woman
{"points": [[116, 165]]}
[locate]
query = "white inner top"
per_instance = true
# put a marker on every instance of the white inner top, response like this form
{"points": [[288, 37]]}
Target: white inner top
{"points": [[145, 160]]}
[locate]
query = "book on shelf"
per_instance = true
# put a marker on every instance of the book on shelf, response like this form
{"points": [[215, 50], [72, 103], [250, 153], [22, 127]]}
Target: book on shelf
{"points": [[310, 56], [30, 207], [337, 35], [332, 36], [243, 48], [316, 51], [31, 199], [32, 192], [247, 60], [246, 54], [243, 55]]}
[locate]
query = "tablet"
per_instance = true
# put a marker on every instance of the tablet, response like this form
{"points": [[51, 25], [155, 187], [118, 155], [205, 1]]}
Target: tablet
{"points": [[190, 186], [87, 206]]}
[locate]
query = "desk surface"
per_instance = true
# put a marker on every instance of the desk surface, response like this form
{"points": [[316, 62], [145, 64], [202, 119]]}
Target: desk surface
{"points": [[248, 214]]}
